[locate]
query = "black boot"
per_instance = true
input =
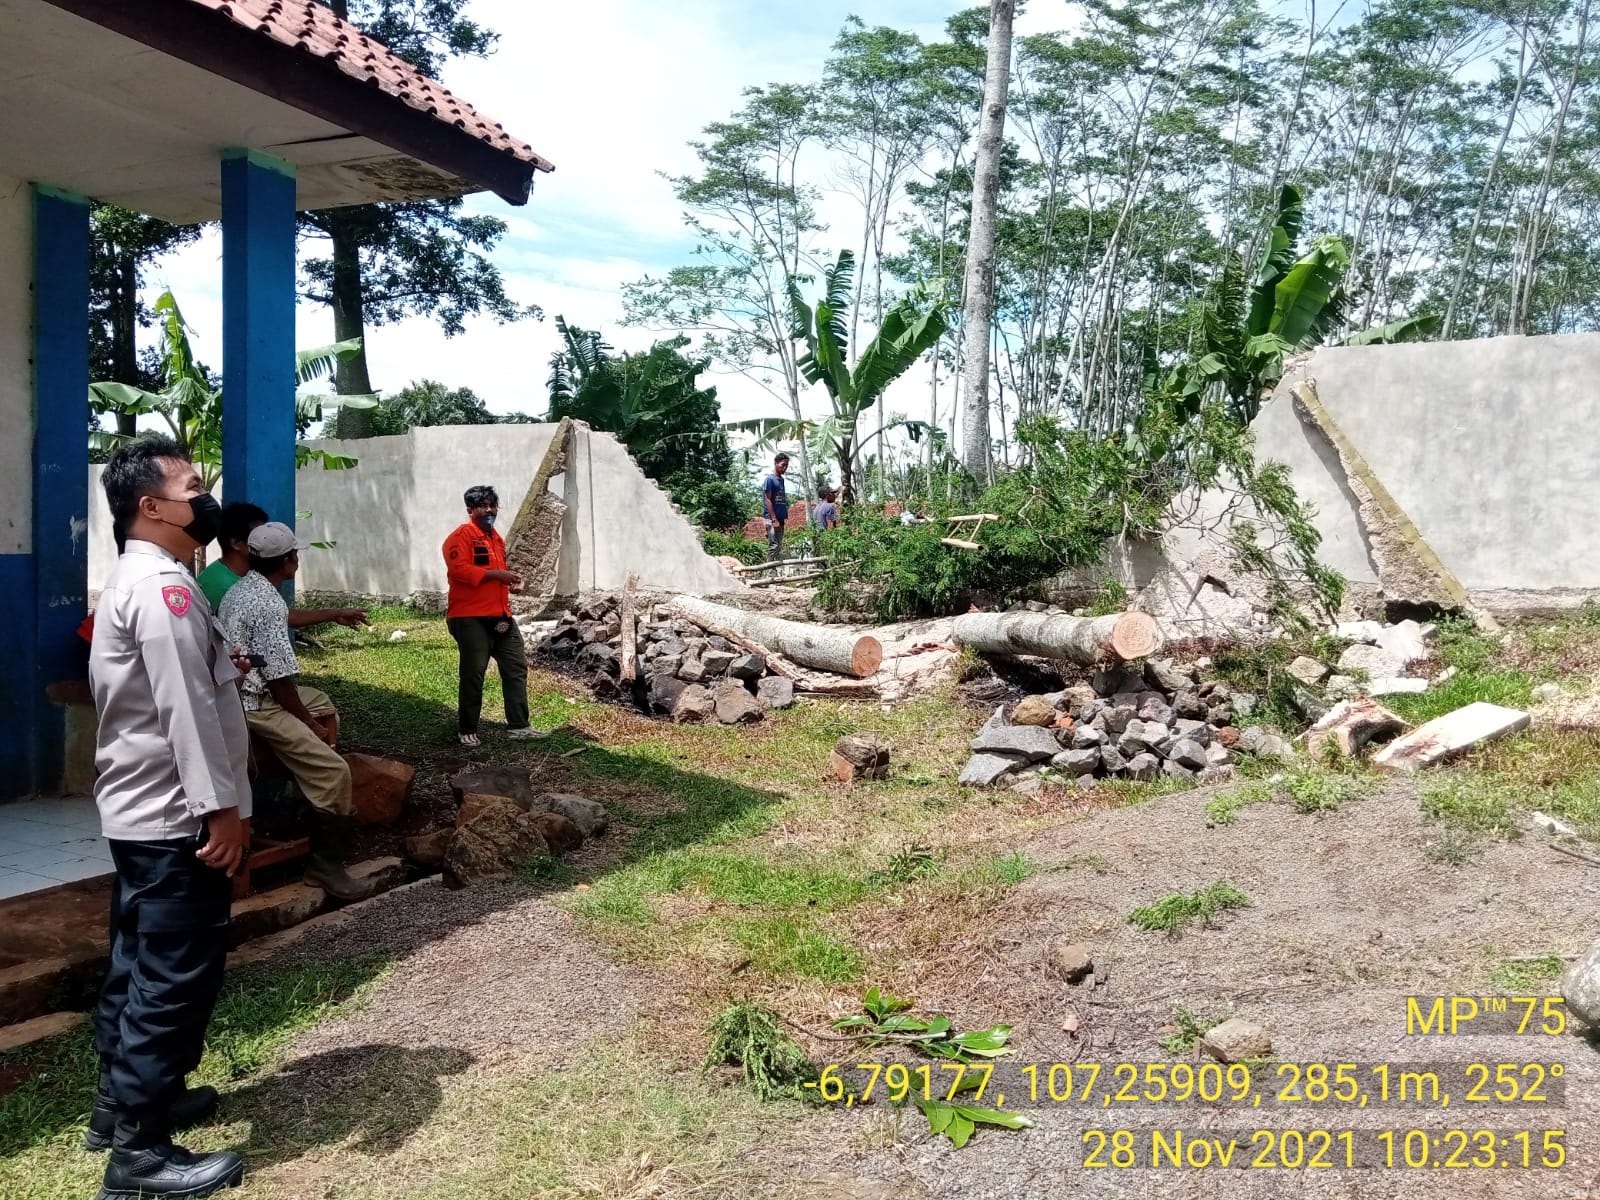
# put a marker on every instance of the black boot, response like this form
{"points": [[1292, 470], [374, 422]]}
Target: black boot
{"points": [[329, 835], [144, 1164], [191, 1106]]}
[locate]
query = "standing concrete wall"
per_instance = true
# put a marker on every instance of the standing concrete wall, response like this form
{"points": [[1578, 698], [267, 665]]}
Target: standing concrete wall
{"points": [[389, 515]]}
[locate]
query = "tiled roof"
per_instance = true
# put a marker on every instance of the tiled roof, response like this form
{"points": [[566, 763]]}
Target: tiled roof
{"points": [[316, 29]]}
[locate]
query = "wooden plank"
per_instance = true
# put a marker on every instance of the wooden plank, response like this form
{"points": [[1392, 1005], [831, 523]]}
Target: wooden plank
{"points": [[630, 633], [959, 544]]}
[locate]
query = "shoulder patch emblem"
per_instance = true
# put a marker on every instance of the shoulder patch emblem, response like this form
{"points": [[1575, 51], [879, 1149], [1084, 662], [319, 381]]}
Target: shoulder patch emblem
{"points": [[178, 599], [455, 552]]}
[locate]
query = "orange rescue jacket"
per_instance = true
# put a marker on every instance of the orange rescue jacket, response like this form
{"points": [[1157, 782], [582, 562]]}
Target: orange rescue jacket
{"points": [[470, 553]]}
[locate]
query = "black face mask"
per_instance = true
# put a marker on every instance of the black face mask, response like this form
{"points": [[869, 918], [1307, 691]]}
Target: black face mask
{"points": [[206, 523]]}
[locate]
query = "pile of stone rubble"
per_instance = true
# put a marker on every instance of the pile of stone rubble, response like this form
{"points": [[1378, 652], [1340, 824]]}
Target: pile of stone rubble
{"points": [[1167, 720], [682, 671]]}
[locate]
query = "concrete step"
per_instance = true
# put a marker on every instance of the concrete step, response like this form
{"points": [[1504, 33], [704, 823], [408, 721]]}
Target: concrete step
{"points": [[68, 981]]}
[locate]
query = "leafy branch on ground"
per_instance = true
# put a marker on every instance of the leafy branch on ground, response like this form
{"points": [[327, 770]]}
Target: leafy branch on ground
{"points": [[887, 1020], [1171, 913], [753, 1038]]}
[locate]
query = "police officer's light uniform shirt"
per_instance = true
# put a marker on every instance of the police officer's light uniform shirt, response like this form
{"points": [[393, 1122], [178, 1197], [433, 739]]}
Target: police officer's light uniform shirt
{"points": [[172, 744], [256, 619]]}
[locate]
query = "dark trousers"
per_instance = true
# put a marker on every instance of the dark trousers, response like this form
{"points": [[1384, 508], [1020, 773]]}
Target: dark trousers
{"points": [[478, 642], [169, 944]]}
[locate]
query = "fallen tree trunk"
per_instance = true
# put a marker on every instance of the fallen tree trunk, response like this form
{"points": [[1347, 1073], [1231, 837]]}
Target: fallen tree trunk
{"points": [[817, 646], [1082, 640]]}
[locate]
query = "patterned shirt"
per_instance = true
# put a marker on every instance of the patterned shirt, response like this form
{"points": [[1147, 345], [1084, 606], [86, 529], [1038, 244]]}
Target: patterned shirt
{"points": [[257, 621]]}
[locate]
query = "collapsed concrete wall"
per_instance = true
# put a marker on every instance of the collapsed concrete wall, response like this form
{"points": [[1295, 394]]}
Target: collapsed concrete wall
{"points": [[389, 515], [1483, 446]]}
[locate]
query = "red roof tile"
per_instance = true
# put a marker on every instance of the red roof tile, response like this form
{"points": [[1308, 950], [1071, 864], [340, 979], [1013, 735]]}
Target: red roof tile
{"points": [[316, 29]]}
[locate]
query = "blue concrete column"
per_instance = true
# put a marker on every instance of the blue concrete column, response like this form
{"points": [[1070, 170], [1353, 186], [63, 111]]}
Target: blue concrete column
{"points": [[60, 465], [258, 294]]}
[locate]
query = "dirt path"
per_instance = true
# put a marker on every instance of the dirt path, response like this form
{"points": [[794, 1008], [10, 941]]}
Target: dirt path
{"points": [[1347, 918]]}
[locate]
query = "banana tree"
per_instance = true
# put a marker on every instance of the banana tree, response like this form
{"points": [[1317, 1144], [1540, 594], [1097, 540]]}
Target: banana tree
{"points": [[1295, 302], [192, 408], [911, 328]]}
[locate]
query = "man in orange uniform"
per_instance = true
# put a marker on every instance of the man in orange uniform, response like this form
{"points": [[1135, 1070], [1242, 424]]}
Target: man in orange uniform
{"points": [[479, 618]]}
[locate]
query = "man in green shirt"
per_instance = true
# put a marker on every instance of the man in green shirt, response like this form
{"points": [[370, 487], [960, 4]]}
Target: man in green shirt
{"points": [[238, 519]]}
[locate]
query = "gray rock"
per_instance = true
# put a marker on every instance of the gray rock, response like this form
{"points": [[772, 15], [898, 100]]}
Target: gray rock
{"points": [[1580, 986], [597, 656], [1088, 710], [1216, 773], [1087, 737], [666, 664], [673, 645], [1198, 730], [664, 692], [1112, 759], [1547, 692], [1341, 687], [1144, 766], [1118, 719], [694, 705], [1077, 762], [748, 666], [1307, 703], [1307, 670], [1028, 741], [1237, 1040], [1111, 680], [1222, 714], [1187, 752], [588, 815], [776, 692], [1074, 697], [1404, 686], [1216, 692], [716, 662], [650, 651], [1154, 708], [718, 642], [1142, 735], [1217, 754], [1166, 676], [984, 770], [1273, 746], [735, 704], [1071, 961], [1177, 770], [1244, 703], [1134, 697], [1190, 705], [693, 670]]}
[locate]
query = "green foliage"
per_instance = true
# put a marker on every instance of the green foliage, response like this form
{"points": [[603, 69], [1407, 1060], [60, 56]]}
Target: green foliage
{"points": [[886, 1019], [191, 406], [1527, 976], [749, 551], [714, 504], [1224, 808], [907, 864], [652, 402], [1190, 1029], [752, 1037], [425, 403], [1315, 791], [958, 1121], [1110, 600], [1171, 913]]}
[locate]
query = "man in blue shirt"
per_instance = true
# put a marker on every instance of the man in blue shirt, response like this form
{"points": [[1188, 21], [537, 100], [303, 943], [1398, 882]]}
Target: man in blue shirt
{"points": [[827, 514], [775, 507]]}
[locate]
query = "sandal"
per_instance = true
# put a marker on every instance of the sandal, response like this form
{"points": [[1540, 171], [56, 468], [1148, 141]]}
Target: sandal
{"points": [[527, 731], [469, 739]]}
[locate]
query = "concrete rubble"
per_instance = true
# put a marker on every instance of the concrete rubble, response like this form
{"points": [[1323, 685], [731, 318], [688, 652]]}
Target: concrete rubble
{"points": [[1443, 738], [682, 671], [1167, 719], [503, 820]]}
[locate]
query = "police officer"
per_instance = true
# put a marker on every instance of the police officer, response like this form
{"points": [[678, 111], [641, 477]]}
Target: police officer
{"points": [[173, 794]]}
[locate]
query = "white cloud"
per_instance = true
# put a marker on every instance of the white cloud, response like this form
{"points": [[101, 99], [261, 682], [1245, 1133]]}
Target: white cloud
{"points": [[611, 91]]}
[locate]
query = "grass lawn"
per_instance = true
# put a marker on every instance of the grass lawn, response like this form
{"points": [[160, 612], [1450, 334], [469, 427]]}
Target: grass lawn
{"points": [[737, 868]]}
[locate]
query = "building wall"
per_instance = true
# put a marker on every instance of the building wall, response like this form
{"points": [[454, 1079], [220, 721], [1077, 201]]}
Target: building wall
{"points": [[389, 515]]}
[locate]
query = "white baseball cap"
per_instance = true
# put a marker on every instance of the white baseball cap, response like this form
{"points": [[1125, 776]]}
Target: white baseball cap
{"points": [[273, 540]]}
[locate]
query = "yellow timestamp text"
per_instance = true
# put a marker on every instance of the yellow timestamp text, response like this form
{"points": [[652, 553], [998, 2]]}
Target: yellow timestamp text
{"points": [[1329, 1149]]}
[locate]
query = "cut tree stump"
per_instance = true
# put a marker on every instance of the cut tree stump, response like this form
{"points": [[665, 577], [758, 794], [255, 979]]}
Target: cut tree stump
{"points": [[821, 647], [859, 756], [1082, 640]]}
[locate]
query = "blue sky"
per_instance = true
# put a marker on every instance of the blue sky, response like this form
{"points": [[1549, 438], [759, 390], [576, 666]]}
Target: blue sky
{"points": [[610, 91]]}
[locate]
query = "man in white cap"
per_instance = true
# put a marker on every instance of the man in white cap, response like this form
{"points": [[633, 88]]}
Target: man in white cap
{"points": [[284, 715]]}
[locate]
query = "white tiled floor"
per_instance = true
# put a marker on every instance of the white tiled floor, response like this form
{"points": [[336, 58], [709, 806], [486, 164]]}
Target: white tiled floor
{"points": [[47, 842]]}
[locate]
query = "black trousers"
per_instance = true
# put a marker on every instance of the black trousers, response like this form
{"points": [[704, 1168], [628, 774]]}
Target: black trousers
{"points": [[479, 642], [169, 945]]}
